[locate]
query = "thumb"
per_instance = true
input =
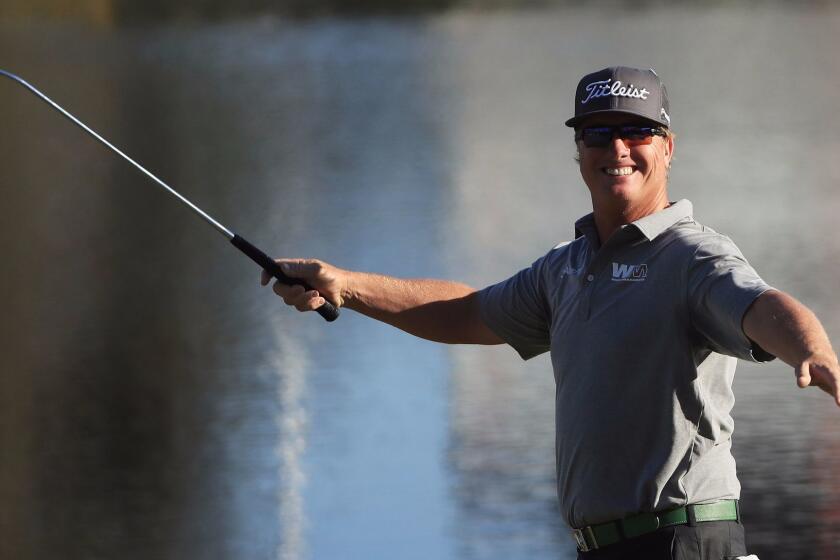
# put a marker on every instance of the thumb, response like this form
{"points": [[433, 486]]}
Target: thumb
{"points": [[300, 268], [803, 374]]}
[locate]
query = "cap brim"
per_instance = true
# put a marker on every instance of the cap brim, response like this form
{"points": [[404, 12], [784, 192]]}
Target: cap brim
{"points": [[574, 121]]}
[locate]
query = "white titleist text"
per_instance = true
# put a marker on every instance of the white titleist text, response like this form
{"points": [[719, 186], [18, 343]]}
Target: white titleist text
{"points": [[604, 89]]}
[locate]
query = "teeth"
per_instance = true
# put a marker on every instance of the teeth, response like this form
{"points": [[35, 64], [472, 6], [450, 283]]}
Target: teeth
{"points": [[618, 170]]}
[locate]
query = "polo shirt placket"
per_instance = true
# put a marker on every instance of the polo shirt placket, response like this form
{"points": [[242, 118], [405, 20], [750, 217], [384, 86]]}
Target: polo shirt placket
{"points": [[597, 276]]}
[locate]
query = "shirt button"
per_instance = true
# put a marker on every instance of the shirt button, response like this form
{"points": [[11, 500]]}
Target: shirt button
{"points": [[590, 278]]}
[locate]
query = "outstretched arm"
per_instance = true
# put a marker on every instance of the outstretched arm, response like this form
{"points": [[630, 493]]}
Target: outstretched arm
{"points": [[787, 329], [436, 310]]}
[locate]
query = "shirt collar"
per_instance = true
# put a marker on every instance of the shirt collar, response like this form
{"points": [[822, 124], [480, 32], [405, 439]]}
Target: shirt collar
{"points": [[650, 226]]}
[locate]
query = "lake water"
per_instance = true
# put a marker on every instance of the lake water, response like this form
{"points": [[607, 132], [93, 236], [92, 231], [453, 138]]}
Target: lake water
{"points": [[155, 402]]}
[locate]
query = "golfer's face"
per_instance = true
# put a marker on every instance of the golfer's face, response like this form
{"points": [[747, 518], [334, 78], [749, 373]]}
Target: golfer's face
{"points": [[625, 172]]}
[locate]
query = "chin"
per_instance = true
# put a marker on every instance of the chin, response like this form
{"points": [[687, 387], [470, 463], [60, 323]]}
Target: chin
{"points": [[623, 190]]}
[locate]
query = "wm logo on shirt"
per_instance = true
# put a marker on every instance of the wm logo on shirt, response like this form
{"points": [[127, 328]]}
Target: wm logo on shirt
{"points": [[628, 272]]}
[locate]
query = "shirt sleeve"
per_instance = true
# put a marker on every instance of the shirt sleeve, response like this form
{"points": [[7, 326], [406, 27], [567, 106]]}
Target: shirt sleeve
{"points": [[516, 310], [721, 288]]}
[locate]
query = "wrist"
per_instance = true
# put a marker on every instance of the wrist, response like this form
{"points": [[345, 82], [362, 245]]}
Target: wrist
{"points": [[348, 287], [821, 356]]}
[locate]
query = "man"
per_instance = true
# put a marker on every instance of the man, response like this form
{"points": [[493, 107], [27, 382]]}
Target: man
{"points": [[644, 314]]}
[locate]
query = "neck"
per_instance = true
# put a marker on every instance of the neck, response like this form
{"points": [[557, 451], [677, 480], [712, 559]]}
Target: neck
{"points": [[610, 217]]}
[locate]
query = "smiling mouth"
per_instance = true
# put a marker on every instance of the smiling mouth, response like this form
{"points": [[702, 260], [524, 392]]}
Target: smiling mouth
{"points": [[618, 171]]}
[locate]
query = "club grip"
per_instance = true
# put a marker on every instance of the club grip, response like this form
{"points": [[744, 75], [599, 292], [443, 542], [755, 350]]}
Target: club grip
{"points": [[328, 311]]}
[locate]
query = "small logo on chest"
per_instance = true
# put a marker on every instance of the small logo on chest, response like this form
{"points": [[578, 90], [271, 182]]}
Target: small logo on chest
{"points": [[629, 272]]}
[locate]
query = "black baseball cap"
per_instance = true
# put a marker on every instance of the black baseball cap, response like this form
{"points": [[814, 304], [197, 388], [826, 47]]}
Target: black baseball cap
{"points": [[621, 89]]}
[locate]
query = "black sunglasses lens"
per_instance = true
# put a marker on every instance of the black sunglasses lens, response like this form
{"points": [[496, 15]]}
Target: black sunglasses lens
{"points": [[635, 132], [597, 137], [601, 136]]}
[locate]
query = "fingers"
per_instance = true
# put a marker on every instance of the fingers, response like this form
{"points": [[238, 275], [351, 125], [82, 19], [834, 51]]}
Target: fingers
{"points": [[265, 276], [298, 297], [825, 377], [311, 272], [828, 379], [803, 375]]}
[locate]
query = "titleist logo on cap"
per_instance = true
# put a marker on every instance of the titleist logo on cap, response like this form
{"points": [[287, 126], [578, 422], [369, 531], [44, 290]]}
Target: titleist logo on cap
{"points": [[604, 89], [621, 89]]}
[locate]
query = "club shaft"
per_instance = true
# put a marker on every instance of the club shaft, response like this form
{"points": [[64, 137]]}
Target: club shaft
{"points": [[222, 229], [328, 311]]}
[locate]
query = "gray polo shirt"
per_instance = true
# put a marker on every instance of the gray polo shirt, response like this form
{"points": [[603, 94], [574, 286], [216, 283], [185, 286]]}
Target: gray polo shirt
{"points": [[644, 333]]}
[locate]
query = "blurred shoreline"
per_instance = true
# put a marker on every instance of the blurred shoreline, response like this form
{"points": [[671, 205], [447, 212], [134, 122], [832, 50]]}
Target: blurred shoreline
{"points": [[122, 13]]}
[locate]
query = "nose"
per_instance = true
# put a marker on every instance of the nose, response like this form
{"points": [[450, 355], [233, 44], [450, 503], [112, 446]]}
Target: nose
{"points": [[618, 147]]}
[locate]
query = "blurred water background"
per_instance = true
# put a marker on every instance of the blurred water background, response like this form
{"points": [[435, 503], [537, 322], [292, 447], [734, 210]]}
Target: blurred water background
{"points": [[156, 403]]}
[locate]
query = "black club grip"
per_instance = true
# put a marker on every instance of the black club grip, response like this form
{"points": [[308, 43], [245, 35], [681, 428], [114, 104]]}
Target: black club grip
{"points": [[328, 311]]}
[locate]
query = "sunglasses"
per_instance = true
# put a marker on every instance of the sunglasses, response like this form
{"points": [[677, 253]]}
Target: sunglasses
{"points": [[601, 136]]}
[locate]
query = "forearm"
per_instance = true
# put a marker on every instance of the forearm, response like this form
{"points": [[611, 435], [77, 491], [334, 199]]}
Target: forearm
{"points": [[432, 309], [436, 310], [786, 328]]}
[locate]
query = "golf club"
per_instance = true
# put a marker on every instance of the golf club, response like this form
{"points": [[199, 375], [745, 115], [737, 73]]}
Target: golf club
{"points": [[328, 311]]}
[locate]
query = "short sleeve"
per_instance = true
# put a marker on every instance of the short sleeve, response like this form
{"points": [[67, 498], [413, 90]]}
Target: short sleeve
{"points": [[721, 288], [516, 310]]}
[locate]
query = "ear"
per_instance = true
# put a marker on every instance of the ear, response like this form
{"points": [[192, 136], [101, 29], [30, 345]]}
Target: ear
{"points": [[669, 150]]}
